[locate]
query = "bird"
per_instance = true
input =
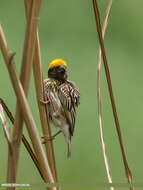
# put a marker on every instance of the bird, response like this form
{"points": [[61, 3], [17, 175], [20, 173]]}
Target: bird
{"points": [[62, 98]]}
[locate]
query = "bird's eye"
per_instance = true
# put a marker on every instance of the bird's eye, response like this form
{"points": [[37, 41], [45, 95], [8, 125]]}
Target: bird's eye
{"points": [[54, 69], [61, 69]]}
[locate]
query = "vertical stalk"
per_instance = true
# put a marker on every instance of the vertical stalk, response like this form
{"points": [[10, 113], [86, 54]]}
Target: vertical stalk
{"points": [[99, 99], [29, 46], [38, 78], [37, 69], [26, 112], [107, 72]]}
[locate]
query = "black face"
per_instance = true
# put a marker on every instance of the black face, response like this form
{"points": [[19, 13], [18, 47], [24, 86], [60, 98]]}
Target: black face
{"points": [[58, 73]]}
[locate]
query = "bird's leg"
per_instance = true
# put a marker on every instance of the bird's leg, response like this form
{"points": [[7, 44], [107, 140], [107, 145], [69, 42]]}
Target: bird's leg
{"points": [[45, 102], [53, 136], [50, 138]]}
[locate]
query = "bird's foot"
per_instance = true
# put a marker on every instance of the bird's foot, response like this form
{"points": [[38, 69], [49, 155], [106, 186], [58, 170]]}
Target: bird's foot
{"points": [[56, 114], [47, 138], [44, 102]]}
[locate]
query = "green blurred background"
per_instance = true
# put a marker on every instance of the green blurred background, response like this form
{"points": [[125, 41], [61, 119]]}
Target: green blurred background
{"points": [[67, 30]]}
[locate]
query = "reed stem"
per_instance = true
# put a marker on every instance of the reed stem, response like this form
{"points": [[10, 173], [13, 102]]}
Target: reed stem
{"points": [[99, 99], [27, 59], [37, 69], [24, 140], [107, 72], [26, 112]]}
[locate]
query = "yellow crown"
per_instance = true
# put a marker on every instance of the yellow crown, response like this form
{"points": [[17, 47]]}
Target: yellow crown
{"points": [[57, 63]]}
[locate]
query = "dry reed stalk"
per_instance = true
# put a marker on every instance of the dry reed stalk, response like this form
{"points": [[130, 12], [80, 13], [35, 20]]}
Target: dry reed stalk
{"points": [[5, 127], [27, 59], [7, 133], [99, 98], [26, 112], [24, 140], [38, 78], [108, 78], [37, 69]]}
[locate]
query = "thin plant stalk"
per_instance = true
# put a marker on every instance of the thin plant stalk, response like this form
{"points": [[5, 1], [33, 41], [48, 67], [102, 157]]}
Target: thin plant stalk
{"points": [[24, 140], [37, 69], [38, 78], [5, 127], [107, 72], [6, 132], [99, 99], [26, 112], [27, 59]]}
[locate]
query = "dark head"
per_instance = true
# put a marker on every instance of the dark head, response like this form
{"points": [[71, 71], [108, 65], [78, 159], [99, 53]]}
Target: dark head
{"points": [[57, 70]]}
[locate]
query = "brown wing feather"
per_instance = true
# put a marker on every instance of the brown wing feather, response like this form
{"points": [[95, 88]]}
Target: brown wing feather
{"points": [[51, 94], [75, 94], [69, 97]]}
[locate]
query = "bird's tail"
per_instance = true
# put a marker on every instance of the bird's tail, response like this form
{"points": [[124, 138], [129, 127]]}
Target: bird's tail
{"points": [[69, 149], [67, 135]]}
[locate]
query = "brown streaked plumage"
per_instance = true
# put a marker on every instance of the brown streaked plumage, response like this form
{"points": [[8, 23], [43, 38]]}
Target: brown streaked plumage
{"points": [[63, 97]]}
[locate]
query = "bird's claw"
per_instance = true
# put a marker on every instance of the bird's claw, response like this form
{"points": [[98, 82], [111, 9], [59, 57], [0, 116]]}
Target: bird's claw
{"points": [[45, 102], [47, 138]]}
